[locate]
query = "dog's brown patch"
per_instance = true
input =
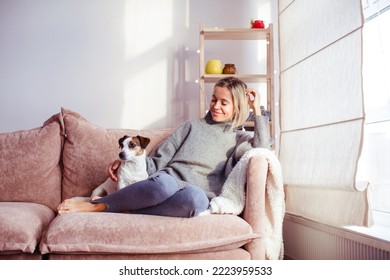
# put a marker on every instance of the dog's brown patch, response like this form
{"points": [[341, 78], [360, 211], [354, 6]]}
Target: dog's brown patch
{"points": [[138, 143]]}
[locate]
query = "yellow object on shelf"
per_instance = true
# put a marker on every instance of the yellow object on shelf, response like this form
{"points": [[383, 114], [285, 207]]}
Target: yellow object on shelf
{"points": [[214, 66]]}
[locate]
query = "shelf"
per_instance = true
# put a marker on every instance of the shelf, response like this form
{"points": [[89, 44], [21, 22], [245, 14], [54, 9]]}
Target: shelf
{"points": [[235, 33], [253, 78]]}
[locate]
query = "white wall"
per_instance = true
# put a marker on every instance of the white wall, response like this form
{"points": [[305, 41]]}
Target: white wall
{"points": [[128, 63]]}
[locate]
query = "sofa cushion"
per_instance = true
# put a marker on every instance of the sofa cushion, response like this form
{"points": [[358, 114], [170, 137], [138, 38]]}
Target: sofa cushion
{"points": [[22, 225], [144, 234], [89, 149], [30, 164]]}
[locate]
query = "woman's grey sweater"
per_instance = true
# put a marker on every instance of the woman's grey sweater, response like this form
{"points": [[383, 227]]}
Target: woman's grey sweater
{"points": [[203, 152]]}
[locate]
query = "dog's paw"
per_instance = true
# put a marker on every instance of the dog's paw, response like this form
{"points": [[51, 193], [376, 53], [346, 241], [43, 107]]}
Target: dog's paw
{"points": [[95, 197]]}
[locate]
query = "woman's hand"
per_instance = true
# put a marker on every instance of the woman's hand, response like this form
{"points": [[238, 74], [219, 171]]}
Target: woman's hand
{"points": [[253, 101], [113, 170]]}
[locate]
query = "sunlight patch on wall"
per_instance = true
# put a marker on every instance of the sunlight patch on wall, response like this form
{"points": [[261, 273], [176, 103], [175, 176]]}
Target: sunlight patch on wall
{"points": [[142, 32], [145, 97]]}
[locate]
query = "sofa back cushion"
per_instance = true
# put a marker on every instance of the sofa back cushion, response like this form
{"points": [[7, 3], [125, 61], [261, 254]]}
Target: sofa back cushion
{"points": [[89, 150], [30, 164]]}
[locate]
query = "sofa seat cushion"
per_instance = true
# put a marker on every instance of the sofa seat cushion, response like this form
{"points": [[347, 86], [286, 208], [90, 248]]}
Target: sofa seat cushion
{"points": [[144, 234], [22, 225]]}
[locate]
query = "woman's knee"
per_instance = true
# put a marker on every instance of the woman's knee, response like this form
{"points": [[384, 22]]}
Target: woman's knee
{"points": [[157, 188], [195, 199], [164, 185]]}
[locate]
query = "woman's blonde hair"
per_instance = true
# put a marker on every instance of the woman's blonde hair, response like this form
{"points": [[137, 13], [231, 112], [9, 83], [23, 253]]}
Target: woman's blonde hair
{"points": [[240, 101]]}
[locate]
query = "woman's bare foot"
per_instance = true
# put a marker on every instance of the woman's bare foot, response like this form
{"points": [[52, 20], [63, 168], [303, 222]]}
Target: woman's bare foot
{"points": [[95, 197], [74, 206]]}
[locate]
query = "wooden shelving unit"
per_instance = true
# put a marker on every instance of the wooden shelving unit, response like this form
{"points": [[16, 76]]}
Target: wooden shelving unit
{"points": [[238, 34]]}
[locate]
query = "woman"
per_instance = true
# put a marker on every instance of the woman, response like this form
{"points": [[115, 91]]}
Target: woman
{"points": [[190, 166]]}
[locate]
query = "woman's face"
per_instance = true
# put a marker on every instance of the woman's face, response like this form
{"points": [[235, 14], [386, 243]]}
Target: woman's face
{"points": [[221, 105]]}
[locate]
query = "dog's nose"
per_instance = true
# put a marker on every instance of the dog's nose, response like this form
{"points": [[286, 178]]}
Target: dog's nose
{"points": [[122, 155]]}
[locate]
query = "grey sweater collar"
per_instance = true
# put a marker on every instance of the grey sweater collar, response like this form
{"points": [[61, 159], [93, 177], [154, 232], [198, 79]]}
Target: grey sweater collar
{"points": [[225, 126]]}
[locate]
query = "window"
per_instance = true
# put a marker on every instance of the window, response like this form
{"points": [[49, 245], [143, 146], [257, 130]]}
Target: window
{"points": [[375, 158]]}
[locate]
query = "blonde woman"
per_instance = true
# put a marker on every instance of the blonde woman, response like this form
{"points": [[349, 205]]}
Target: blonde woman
{"points": [[190, 167]]}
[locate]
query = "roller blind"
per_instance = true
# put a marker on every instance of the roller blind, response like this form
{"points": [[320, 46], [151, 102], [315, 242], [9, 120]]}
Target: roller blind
{"points": [[321, 110]]}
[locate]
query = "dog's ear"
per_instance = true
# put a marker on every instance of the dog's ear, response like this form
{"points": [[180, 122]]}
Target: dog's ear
{"points": [[120, 141], [144, 141]]}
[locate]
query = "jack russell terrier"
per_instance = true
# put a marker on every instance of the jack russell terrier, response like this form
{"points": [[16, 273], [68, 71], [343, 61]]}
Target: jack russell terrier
{"points": [[132, 168]]}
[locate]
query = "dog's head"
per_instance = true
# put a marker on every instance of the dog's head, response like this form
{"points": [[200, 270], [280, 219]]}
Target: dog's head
{"points": [[132, 146]]}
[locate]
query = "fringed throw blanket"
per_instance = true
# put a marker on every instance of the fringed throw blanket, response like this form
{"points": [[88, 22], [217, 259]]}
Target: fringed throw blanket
{"points": [[232, 198]]}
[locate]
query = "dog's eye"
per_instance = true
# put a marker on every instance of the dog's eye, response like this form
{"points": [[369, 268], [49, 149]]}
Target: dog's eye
{"points": [[131, 145]]}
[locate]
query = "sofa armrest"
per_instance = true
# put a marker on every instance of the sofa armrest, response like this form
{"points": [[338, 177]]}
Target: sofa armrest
{"points": [[254, 212]]}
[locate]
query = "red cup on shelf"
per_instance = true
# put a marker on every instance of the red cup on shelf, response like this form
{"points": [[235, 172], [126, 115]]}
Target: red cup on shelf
{"points": [[257, 24]]}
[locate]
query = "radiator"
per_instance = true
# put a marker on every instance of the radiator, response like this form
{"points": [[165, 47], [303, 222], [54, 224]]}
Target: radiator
{"points": [[308, 240]]}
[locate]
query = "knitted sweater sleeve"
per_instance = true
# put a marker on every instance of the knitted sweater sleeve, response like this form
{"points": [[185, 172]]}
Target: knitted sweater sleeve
{"points": [[259, 138], [166, 150]]}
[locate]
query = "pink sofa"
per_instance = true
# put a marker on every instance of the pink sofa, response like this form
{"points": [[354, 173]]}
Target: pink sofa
{"points": [[68, 156]]}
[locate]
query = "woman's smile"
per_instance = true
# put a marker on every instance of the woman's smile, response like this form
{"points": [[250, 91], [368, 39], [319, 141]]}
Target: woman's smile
{"points": [[221, 105]]}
